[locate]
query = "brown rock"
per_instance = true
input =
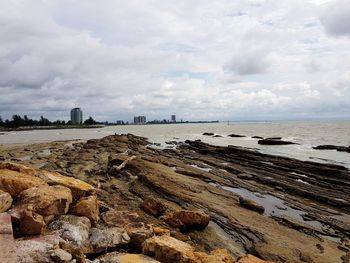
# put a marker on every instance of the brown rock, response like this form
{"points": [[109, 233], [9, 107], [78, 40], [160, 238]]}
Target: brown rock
{"points": [[187, 219], [8, 248], [47, 200], [60, 256], [5, 201], [15, 179], [31, 223], [159, 231], [137, 228], [78, 187], [153, 207], [87, 206], [250, 204], [216, 256], [252, 259], [125, 258]]}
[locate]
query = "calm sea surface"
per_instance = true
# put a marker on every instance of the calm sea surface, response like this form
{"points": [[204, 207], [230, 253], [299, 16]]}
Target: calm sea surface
{"points": [[306, 134]]}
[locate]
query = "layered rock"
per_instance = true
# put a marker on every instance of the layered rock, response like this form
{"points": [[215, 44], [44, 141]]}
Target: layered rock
{"points": [[153, 207], [137, 228], [187, 219], [250, 204], [5, 201], [252, 259], [47, 200], [87, 206]]}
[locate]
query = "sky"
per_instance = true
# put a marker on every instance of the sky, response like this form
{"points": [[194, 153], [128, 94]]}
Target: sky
{"points": [[201, 59]]}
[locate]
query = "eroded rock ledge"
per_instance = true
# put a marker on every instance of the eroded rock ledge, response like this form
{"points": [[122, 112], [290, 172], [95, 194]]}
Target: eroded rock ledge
{"points": [[114, 199]]}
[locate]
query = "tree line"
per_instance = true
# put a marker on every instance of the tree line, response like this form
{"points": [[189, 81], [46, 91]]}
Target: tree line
{"points": [[18, 121]]}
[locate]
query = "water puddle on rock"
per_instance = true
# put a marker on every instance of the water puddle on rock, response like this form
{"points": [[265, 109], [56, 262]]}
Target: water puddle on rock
{"points": [[201, 168], [276, 207]]}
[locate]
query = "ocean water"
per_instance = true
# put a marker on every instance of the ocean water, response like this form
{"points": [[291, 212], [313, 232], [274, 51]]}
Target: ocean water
{"points": [[306, 134]]}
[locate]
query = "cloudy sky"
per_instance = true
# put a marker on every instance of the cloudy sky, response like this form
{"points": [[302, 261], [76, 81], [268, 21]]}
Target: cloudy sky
{"points": [[203, 59]]}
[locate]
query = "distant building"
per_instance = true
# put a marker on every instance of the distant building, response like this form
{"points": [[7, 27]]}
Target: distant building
{"points": [[139, 119], [120, 122], [173, 118], [76, 116]]}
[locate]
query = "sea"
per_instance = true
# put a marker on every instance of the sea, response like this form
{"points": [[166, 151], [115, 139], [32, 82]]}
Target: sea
{"points": [[306, 134]]}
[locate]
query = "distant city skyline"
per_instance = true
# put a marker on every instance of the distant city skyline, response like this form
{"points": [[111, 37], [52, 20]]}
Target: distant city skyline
{"points": [[207, 60]]}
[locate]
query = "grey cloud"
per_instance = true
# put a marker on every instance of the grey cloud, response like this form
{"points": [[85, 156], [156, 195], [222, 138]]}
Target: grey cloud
{"points": [[336, 19]]}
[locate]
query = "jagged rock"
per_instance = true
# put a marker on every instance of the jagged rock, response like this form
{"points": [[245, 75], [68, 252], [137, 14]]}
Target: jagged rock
{"points": [[5, 201], [60, 256], [116, 257], [31, 223], [47, 200], [170, 250], [78, 187], [159, 231], [188, 219], [17, 178], [137, 228], [273, 141], [37, 249], [250, 204], [252, 259], [87, 206], [153, 207], [102, 239], [236, 135], [73, 229]]}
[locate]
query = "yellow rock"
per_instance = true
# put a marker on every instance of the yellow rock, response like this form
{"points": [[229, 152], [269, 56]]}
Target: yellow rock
{"points": [[160, 231], [5, 201], [15, 179], [78, 187], [126, 258], [87, 206]]}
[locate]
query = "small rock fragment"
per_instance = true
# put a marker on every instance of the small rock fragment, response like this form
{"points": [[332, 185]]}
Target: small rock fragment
{"points": [[5, 201], [60, 256], [187, 219], [153, 207], [102, 239], [87, 206], [250, 204]]}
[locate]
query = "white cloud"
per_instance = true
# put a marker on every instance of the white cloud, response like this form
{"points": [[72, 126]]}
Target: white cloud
{"points": [[219, 59]]}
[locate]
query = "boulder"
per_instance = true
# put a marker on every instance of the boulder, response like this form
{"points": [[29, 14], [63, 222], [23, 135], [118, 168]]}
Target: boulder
{"points": [[36, 249], [159, 231], [87, 206], [274, 142], [73, 229], [252, 259], [17, 178], [60, 256], [188, 219], [5, 201], [31, 223], [137, 228], [47, 200], [78, 187], [103, 239], [115, 257], [153, 207], [167, 249], [250, 204]]}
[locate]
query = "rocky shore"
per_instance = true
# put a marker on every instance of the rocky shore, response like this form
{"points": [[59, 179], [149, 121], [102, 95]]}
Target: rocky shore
{"points": [[119, 199]]}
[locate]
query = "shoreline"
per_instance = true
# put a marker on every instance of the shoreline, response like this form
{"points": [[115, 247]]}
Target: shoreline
{"points": [[306, 205], [51, 128]]}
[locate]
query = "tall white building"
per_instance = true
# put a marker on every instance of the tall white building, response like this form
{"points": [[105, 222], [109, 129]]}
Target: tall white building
{"points": [[76, 116]]}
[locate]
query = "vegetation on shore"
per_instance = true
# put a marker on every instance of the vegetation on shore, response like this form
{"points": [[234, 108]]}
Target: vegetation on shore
{"points": [[24, 123]]}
